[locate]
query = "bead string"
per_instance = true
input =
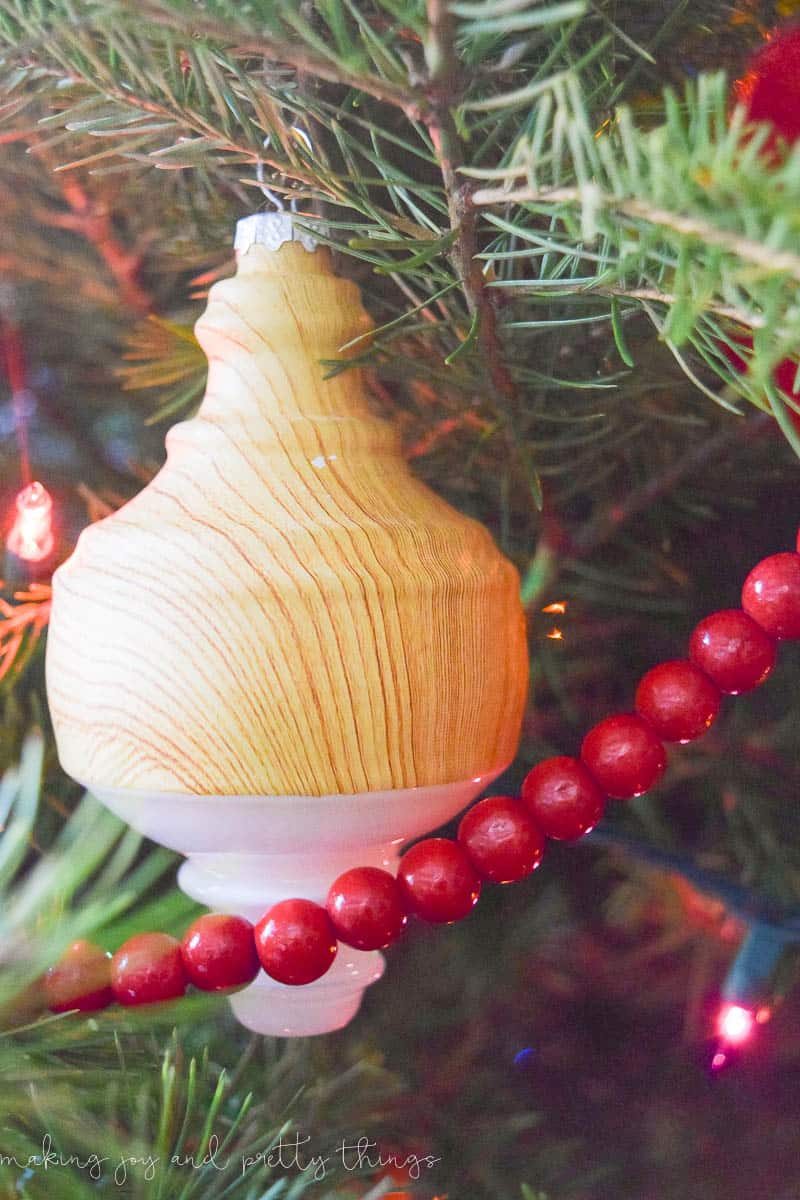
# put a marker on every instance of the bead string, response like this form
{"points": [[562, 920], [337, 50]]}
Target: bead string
{"points": [[500, 839]]}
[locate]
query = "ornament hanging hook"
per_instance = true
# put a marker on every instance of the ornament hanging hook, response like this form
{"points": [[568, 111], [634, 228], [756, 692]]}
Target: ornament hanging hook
{"points": [[268, 192], [274, 228], [302, 136]]}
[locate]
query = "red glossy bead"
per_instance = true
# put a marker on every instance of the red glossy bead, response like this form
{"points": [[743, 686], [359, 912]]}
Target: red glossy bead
{"points": [[81, 980], [564, 799], [148, 968], [366, 907], [770, 89], [771, 595], [678, 699], [784, 375], [501, 839], [219, 952], [733, 650], [624, 755], [437, 881], [296, 941]]}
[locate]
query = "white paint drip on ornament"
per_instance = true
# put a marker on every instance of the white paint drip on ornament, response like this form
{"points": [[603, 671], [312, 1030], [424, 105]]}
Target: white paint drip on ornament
{"points": [[245, 853]]}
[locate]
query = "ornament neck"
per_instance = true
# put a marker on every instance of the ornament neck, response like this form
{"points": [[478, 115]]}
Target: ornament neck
{"points": [[266, 332]]}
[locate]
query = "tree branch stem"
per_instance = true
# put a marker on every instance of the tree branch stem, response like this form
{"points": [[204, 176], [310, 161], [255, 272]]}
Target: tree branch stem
{"points": [[93, 221], [784, 261], [293, 53], [443, 91]]}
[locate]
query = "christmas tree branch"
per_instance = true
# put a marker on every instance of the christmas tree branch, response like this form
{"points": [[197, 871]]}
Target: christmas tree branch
{"points": [[198, 100], [741, 315], [781, 261], [292, 53], [683, 236], [550, 561], [644, 509], [445, 85], [596, 533], [95, 222], [601, 216], [21, 625]]}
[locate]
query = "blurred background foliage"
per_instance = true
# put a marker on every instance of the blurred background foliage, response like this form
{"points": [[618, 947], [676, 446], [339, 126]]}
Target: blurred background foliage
{"points": [[571, 392]]}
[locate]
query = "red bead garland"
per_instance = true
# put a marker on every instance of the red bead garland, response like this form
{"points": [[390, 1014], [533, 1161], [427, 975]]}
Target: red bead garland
{"points": [[770, 91], [296, 941], [437, 881], [783, 376], [500, 838], [563, 798], [771, 88], [678, 699], [771, 595], [624, 755], [219, 952], [148, 968], [366, 908], [80, 980], [733, 650]]}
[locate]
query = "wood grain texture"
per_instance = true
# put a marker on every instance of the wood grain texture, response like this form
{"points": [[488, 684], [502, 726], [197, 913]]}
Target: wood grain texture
{"points": [[285, 609]]}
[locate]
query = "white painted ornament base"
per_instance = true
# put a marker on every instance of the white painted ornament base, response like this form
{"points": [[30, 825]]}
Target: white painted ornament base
{"points": [[244, 853]]}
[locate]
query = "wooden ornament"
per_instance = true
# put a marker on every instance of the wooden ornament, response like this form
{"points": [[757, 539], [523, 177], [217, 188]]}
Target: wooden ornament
{"points": [[284, 610]]}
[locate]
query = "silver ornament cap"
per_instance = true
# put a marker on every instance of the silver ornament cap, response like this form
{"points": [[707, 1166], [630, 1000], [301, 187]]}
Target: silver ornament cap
{"points": [[270, 229]]}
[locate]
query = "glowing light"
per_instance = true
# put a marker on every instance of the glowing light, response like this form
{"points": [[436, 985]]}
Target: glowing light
{"points": [[763, 1015], [555, 634], [735, 1024], [31, 536], [718, 1061], [558, 606]]}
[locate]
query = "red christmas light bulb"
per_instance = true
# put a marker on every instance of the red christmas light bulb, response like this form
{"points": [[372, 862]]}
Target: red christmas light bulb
{"points": [[735, 1024], [31, 536]]}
